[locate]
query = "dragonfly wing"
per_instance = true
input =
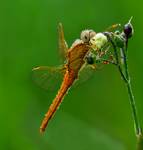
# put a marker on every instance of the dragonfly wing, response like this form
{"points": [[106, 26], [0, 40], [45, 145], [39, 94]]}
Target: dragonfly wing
{"points": [[48, 78], [63, 47], [85, 74]]}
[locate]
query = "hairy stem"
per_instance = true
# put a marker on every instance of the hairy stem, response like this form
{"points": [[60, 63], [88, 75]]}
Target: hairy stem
{"points": [[117, 61], [138, 130], [140, 142], [131, 97], [126, 79]]}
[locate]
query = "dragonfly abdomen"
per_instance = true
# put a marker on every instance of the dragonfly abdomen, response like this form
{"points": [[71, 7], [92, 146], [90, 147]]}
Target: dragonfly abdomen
{"points": [[68, 80]]}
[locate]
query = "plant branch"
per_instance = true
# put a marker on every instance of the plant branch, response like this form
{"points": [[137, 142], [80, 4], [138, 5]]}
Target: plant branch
{"points": [[117, 60], [126, 78], [116, 56], [140, 142], [137, 126], [131, 97]]}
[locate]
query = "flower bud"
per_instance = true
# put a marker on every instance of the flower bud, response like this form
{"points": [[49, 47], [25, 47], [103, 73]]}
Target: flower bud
{"points": [[98, 41], [89, 60], [119, 40], [128, 30]]}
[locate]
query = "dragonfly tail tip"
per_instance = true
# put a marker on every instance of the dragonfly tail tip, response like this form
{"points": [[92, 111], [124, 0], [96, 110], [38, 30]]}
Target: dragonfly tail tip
{"points": [[42, 130]]}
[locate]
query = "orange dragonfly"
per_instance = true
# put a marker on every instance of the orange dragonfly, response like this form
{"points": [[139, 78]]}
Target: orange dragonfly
{"points": [[76, 57]]}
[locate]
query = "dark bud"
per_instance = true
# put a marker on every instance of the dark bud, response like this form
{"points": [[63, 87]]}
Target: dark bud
{"points": [[117, 32], [90, 60], [128, 30], [108, 35]]}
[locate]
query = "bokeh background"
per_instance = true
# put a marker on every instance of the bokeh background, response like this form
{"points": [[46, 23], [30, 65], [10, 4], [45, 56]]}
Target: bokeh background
{"points": [[95, 115]]}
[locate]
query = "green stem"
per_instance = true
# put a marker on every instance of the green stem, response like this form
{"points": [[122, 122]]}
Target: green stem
{"points": [[126, 78], [134, 110], [131, 97], [140, 142], [138, 129], [117, 59]]}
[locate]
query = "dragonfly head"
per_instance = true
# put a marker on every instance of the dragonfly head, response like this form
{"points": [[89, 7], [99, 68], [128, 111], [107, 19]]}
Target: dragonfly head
{"points": [[86, 35]]}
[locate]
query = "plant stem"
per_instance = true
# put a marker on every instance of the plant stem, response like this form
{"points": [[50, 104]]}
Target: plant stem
{"points": [[134, 110], [131, 97], [140, 142], [117, 59], [138, 129], [126, 78]]}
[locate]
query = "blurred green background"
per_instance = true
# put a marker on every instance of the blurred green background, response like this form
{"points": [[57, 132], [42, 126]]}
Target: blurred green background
{"points": [[95, 115]]}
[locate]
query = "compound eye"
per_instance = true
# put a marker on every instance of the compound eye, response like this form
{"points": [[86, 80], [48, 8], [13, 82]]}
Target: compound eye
{"points": [[85, 36], [92, 33]]}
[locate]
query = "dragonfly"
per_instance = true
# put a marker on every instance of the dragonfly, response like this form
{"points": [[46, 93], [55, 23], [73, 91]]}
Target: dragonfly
{"points": [[80, 58]]}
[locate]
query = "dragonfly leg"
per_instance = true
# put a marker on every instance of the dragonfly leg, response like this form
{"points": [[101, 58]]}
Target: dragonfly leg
{"points": [[93, 66], [110, 60], [113, 27], [63, 47], [105, 57]]}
